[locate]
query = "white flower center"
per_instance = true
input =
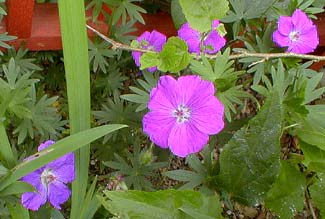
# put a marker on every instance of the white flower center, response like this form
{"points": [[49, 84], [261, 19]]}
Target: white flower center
{"points": [[294, 36], [47, 177], [182, 114]]}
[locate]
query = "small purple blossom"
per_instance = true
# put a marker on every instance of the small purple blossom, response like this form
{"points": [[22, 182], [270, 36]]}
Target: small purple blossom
{"points": [[183, 113], [149, 40], [297, 32], [212, 43], [49, 181]]}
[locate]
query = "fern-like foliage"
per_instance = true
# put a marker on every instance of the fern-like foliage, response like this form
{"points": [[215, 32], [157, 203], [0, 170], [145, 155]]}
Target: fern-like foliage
{"points": [[225, 77], [135, 169], [141, 96]]}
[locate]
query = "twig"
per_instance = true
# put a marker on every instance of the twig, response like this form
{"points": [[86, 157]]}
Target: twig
{"points": [[241, 54], [310, 206]]}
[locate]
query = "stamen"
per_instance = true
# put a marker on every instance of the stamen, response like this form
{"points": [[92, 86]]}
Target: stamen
{"points": [[47, 177], [294, 36], [182, 114]]}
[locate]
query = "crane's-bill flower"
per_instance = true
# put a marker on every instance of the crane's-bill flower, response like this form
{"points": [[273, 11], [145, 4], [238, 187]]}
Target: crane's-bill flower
{"points": [[297, 33], [183, 113], [212, 43], [49, 182], [149, 40]]}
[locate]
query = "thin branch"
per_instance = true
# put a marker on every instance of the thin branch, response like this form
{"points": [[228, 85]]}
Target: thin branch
{"points": [[241, 54], [311, 208]]}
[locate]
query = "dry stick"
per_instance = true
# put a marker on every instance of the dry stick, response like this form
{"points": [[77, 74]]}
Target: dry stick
{"points": [[311, 208], [241, 54]]}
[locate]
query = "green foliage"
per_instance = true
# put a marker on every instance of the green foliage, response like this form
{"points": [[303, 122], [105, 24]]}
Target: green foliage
{"points": [[287, 194], [317, 190], [44, 120], [201, 13], [4, 37], [311, 153], [174, 57], [311, 129], [14, 93], [250, 162], [56, 150], [203, 171], [115, 111], [98, 52], [247, 9], [141, 96], [136, 171], [225, 77], [122, 9], [26, 64], [168, 204], [177, 14]]}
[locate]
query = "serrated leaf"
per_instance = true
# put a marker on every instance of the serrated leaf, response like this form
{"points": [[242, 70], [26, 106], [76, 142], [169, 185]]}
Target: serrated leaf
{"points": [[317, 190], [167, 204], [174, 56], [201, 13], [250, 162], [312, 127], [287, 195]]}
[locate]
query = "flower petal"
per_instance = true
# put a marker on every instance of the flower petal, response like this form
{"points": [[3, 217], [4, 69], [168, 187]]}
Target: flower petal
{"points": [[34, 200], [191, 37], [136, 57], [58, 193], [157, 40], [207, 116], [158, 126], [307, 42], [192, 88], [45, 145], [301, 22], [165, 95], [285, 25], [185, 139], [214, 42], [63, 168], [281, 40]]}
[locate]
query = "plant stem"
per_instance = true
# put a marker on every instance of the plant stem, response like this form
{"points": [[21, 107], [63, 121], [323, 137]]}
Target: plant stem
{"points": [[241, 54]]}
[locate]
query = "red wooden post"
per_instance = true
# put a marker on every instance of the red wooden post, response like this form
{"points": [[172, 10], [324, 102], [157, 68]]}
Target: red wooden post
{"points": [[19, 18]]}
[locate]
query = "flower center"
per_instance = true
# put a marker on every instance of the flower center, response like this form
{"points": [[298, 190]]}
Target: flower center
{"points": [[294, 36], [182, 114], [47, 177]]}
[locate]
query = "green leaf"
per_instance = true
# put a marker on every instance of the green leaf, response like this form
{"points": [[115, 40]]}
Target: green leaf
{"points": [[201, 13], [17, 188], [250, 162], [177, 14], [287, 195], [311, 153], [55, 151], [317, 190], [174, 56], [312, 128], [148, 60], [17, 211], [167, 204]]}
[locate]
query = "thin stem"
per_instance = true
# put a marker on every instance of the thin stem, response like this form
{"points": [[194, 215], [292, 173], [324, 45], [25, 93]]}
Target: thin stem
{"points": [[311, 208], [242, 54]]}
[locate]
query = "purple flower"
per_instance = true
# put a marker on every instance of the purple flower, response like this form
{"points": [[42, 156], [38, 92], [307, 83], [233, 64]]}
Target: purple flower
{"points": [[49, 182], [212, 43], [149, 40], [183, 113], [298, 33]]}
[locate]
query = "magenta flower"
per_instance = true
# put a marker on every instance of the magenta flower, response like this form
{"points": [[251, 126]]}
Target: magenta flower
{"points": [[183, 113], [212, 43], [149, 40], [298, 33], [49, 182]]}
